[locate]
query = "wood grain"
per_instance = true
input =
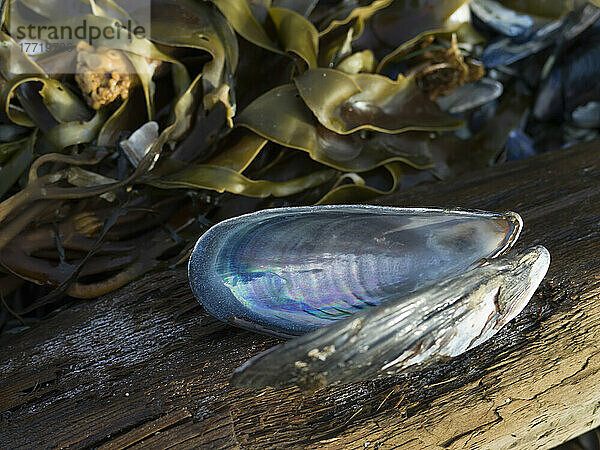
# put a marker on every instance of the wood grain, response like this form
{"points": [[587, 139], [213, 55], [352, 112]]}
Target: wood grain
{"points": [[146, 367]]}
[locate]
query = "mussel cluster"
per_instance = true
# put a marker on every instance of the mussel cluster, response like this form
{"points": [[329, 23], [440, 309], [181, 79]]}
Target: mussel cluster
{"points": [[552, 56]]}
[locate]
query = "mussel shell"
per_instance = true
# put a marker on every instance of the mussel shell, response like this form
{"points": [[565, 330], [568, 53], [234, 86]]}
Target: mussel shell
{"points": [[417, 331], [571, 83], [288, 271], [500, 18], [471, 95], [519, 146], [587, 116], [507, 51]]}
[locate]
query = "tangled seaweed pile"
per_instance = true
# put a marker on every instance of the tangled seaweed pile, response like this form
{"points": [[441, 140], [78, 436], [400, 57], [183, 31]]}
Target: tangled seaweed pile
{"points": [[230, 106]]}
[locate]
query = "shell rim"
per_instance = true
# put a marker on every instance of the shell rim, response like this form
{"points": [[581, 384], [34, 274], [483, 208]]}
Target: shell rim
{"points": [[514, 217]]}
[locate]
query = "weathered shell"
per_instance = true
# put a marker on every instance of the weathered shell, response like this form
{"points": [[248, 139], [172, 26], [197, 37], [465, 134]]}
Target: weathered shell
{"points": [[500, 18], [506, 51], [471, 95], [587, 116], [571, 83], [519, 146], [419, 330], [289, 271]]}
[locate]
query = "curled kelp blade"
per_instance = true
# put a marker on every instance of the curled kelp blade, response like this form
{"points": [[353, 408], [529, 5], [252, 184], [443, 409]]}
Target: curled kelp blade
{"points": [[288, 271], [420, 330]]}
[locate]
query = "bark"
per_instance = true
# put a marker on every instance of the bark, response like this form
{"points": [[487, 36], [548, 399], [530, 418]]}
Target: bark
{"points": [[146, 366]]}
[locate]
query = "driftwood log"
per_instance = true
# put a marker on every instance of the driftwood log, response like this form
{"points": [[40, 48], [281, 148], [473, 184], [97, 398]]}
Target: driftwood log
{"points": [[146, 366]]}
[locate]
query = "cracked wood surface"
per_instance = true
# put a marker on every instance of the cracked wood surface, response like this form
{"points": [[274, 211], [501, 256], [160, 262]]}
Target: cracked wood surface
{"points": [[146, 367]]}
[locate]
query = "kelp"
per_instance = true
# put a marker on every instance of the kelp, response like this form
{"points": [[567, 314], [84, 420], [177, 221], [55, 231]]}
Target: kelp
{"points": [[296, 34], [346, 103], [302, 7], [363, 61], [287, 121], [238, 155], [359, 190], [405, 19], [224, 179], [15, 158], [356, 14], [199, 27], [293, 33], [125, 117], [62, 103], [18, 69], [77, 132], [239, 15], [257, 104]]}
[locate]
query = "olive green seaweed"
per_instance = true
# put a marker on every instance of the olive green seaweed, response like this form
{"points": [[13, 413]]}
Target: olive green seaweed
{"points": [[257, 104], [285, 120], [346, 103]]}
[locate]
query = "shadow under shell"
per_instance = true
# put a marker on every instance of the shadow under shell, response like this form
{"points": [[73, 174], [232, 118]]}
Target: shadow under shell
{"points": [[288, 271]]}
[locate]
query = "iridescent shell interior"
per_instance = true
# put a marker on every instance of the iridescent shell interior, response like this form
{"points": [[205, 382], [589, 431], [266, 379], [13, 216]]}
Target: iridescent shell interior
{"points": [[288, 271]]}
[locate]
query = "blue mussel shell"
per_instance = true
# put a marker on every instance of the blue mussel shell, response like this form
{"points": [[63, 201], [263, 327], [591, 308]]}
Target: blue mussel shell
{"points": [[289, 271]]}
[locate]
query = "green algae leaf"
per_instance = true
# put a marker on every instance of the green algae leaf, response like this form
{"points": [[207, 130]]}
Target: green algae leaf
{"points": [[223, 172], [125, 117], [15, 63], [201, 27], [404, 19], [52, 9], [224, 179], [347, 103], [145, 73], [70, 133], [8, 149], [53, 103], [86, 178], [45, 188], [182, 115], [296, 34], [353, 13], [239, 15], [238, 155], [180, 122], [10, 132], [360, 190], [302, 7], [62, 103], [282, 117], [131, 44], [18, 116], [21, 155], [363, 61], [18, 69]]}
